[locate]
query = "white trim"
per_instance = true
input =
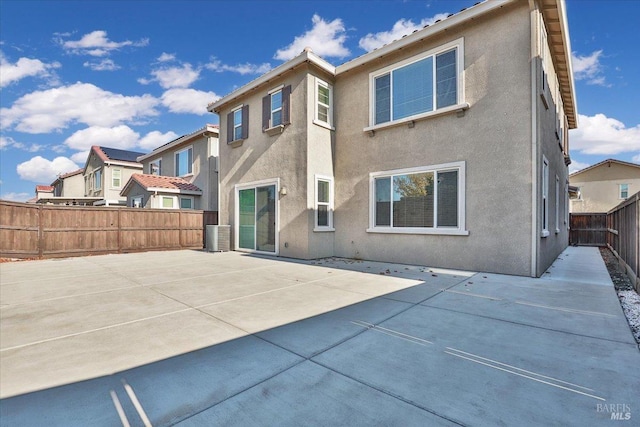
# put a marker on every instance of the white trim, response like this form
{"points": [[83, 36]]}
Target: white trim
{"points": [[557, 204], [113, 171], [620, 191], [544, 196], [330, 204], [316, 102], [458, 45], [173, 191], [421, 116], [275, 89], [172, 144], [236, 214], [272, 111], [157, 161], [233, 131], [161, 202], [444, 167]]}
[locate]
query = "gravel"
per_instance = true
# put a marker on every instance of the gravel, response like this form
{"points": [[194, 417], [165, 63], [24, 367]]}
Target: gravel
{"points": [[629, 298]]}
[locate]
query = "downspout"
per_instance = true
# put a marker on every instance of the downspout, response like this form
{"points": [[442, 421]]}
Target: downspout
{"points": [[534, 137]]}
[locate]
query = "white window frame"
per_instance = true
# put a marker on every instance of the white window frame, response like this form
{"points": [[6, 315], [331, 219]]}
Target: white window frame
{"points": [[271, 110], [181, 198], [457, 44], [158, 163], [175, 160], [317, 104], [329, 204], [97, 173], [460, 230], [115, 172], [137, 198], [239, 126], [544, 202], [162, 199], [557, 204], [620, 191]]}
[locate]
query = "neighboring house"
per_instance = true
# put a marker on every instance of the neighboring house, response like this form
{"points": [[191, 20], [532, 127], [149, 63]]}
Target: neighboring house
{"points": [[106, 172], [181, 174], [68, 189], [445, 148], [604, 185], [43, 192]]}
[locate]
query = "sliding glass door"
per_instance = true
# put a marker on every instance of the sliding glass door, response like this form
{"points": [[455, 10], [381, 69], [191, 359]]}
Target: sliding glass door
{"points": [[257, 218]]}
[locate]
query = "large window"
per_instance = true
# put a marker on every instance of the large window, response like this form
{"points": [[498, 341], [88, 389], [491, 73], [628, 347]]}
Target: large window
{"points": [[624, 191], [324, 103], [184, 162], [324, 204], [116, 178], [97, 179], [427, 200], [417, 86]]}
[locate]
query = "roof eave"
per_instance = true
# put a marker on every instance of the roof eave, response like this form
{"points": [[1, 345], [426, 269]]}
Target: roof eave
{"points": [[181, 140]]}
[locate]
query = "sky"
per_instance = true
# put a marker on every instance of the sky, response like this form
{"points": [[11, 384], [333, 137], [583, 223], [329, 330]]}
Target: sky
{"points": [[136, 74]]}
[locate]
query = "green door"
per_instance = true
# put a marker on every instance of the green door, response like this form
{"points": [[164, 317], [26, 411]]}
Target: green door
{"points": [[257, 219]]}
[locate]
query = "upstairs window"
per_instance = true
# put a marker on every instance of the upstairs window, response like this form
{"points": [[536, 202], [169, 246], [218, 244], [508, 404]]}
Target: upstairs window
{"points": [[238, 124], [184, 162], [116, 178], [324, 103], [155, 167], [275, 108], [624, 191], [416, 86], [97, 179]]}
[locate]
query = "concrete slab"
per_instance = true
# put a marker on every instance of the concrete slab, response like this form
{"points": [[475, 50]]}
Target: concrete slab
{"points": [[312, 395]]}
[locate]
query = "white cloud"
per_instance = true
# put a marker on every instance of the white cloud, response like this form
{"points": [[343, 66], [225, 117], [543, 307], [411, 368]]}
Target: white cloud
{"points": [[325, 38], [7, 142], [576, 166], [588, 68], [246, 68], [41, 170], [166, 57], [122, 137], [103, 65], [155, 139], [80, 157], [600, 134], [173, 77], [188, 100], [54, 109], [97, 43], [402, 27], [24, 67], [16, 197]]}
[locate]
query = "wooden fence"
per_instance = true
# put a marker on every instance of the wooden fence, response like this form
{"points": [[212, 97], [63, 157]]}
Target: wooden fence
{"points": [[588, 229], [47, 231], [623, 236]]}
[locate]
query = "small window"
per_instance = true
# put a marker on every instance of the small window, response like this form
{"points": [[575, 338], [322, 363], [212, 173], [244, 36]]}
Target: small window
{"points": [[545, 197], [324, 204], [186, 202], [97, 179], [116, 178], [136, 202], [427, 200], [419, 85], [275, 108], [184, 162], [324, 101], [238, 124], [624, 191], [167, 202], [155, 167]]}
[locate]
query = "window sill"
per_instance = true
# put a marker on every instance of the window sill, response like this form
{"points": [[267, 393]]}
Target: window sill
{"points": [[409, 230], [545, 233], [323, 229], [440, 112], [274, 130], [235, 143], [323, 124]]}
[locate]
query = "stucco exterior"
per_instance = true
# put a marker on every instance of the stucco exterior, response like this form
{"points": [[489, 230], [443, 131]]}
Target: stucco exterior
{"points": [[109, 190], [600, 185], [496, 136]]}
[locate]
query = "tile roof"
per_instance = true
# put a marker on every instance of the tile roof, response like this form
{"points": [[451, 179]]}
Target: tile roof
{"points": [[45, 188], [107, 153], [68, 174], [168, 182]]}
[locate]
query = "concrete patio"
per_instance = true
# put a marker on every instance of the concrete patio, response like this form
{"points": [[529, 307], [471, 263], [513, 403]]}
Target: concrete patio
{"points": [[194, 338]]}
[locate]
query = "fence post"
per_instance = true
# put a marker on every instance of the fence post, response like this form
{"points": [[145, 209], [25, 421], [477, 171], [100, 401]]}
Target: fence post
{"points": [[180, 228], [119, 232], [40, 233]]}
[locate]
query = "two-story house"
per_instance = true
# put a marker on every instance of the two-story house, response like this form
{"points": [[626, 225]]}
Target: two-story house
{"points": [[67, 189], [105, 173], [445, 148], [604, 185], [181, 174]]}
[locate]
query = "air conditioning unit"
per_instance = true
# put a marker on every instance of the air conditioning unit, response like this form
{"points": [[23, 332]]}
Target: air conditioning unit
{"points": [[218, 238]]}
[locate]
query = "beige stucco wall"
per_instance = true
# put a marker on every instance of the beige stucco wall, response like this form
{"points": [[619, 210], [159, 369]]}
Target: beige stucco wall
{"points": [[73, 186], [493, 138], [204, 176], [108, 192], [600, 186]]}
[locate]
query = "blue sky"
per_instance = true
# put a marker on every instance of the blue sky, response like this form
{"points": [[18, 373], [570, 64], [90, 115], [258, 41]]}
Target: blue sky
{"points": [[136, 74]]}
